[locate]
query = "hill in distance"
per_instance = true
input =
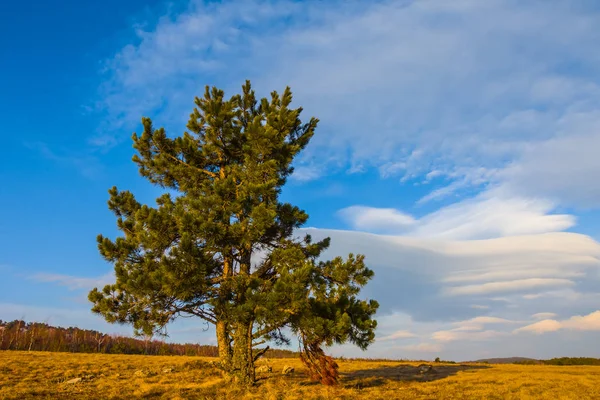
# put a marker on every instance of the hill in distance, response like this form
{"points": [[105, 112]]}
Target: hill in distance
{"points": [[505, 360]]}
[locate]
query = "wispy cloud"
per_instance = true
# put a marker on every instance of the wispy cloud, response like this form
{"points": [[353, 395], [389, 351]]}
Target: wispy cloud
{"points": [[86, 164], [306, 173], [473, 329], [484, 320], [454, 335], [423, 347], [543, 315], [73, 282], [403, 334], [500, 113], [509, 286], [496, 102]]}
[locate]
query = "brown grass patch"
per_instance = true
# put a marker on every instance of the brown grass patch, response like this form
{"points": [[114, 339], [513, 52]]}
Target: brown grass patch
{"points": [[45, 375]]}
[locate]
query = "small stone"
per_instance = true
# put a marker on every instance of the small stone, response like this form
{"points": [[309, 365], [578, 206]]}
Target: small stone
{"points": [[264, 368], [424, 368], [288, 370], [74, 380]]}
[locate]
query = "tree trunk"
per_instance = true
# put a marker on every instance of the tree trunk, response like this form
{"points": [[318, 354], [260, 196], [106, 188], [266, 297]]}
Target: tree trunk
{"points": [[221, 326], [224, 344], [243, 363]]}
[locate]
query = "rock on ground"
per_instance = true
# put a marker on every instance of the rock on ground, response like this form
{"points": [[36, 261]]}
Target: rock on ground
{"points": [[264, 368], [287, 370], [424, 368]]}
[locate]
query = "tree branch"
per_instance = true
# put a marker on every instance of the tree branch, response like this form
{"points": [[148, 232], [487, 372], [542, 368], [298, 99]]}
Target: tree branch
{"points": [[203, 315], [212, 175], [216, 280], [269, 328], [260, 353]]}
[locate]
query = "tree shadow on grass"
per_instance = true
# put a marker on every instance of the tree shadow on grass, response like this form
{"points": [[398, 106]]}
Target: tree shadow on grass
{"points": [[301, 377], [402, 372]]}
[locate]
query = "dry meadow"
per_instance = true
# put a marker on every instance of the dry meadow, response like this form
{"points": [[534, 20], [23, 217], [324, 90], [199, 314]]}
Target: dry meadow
{"points": [[31, 375]]}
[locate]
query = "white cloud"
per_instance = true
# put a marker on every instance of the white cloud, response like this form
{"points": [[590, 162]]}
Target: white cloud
{"points": [[589, 322], [467, 328], [509, 286], [485, 216], [465, 95], [493, 216], [485, 320], [564, 294], [543, 315], [306, 173], [547, 325], [369, 218], [477, 275], [423, 347], [403, 334], [418, 275], [455, 335], [472, 329], [537, 171]]}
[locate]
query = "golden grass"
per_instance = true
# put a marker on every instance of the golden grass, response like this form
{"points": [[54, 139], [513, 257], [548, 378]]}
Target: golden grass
{"points": [[45, 375]]}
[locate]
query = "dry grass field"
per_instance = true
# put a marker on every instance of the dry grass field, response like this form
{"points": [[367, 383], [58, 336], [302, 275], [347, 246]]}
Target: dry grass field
{"points": [[26, 375]]}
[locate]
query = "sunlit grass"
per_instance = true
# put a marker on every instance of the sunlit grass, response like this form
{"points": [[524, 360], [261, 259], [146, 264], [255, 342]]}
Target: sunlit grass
{"points": [[39, 374]]}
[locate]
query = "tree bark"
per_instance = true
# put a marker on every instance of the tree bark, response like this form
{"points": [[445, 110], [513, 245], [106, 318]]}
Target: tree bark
{"points": [[221, 326], [224, 344], [243, 362]]}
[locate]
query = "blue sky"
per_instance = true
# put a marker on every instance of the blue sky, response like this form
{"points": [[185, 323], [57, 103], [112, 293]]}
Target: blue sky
{"points": [[457, 150]]}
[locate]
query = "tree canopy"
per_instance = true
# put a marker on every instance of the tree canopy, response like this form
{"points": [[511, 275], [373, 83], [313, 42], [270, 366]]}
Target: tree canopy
{"points": [[219, 245]]}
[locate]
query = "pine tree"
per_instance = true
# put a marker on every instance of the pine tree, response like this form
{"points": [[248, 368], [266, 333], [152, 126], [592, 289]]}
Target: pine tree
{"points": [[220, 246]]}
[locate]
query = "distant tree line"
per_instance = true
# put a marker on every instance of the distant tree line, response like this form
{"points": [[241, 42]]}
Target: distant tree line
{"points": [[563, 361], [36, 336]]}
